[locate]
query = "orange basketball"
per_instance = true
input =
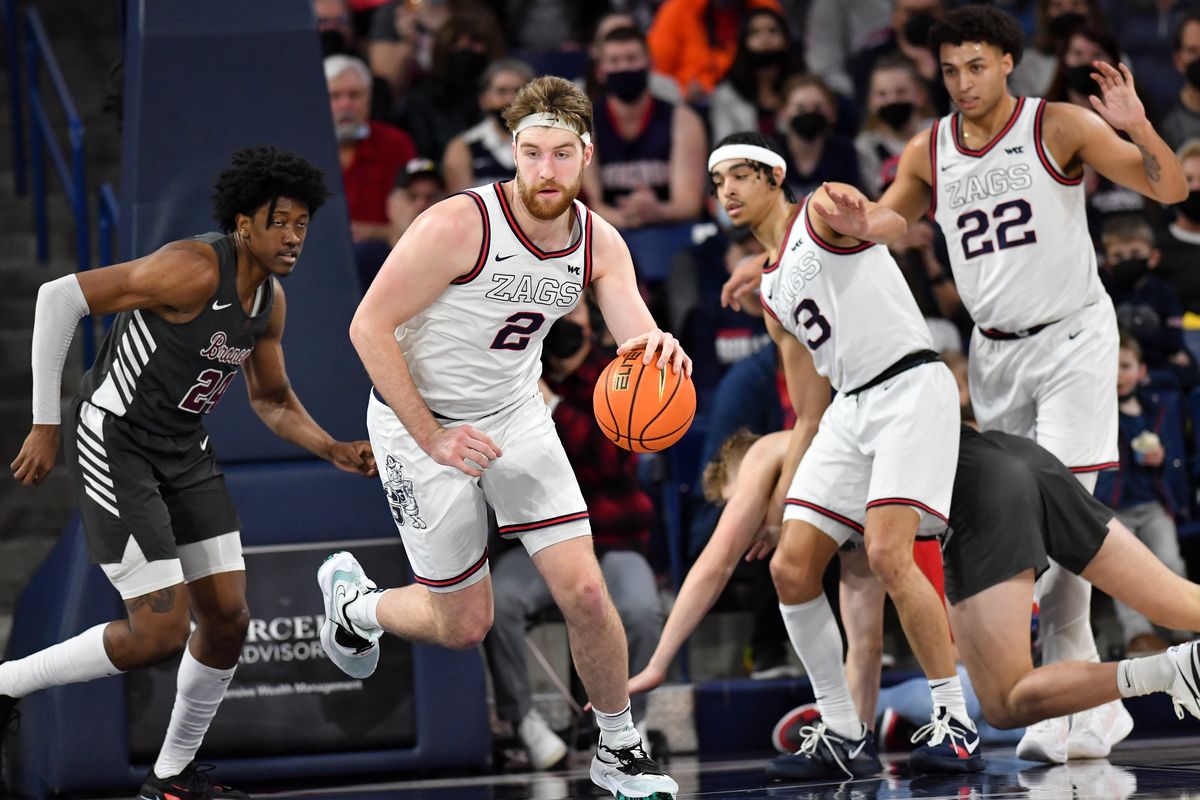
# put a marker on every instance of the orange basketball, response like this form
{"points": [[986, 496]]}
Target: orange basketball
{"points": [[641, 407]]}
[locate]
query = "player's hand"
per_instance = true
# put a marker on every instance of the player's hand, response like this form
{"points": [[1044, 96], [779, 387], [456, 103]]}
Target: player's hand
{"points": [[36, 459], [1118, 102], [464, 448], [663, 343], [847, 215], [763, 543], [743, 282], [353, 457], [649, 678]]}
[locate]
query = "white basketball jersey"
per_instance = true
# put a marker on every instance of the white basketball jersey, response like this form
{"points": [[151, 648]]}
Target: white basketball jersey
{"points": [[478, 347], [850, 305], [1015, 225]]}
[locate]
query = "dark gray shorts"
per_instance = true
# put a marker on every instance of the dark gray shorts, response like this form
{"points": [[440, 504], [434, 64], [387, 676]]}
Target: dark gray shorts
{"points": [[1014, 507]]}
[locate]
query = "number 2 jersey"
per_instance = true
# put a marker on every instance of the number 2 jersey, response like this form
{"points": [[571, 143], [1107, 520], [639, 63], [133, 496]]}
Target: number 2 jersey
{"points": [[162, 377], [849, 305], [1015, 224], [477, 348]]}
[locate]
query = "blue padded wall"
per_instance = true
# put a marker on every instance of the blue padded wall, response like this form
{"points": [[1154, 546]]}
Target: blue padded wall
{"points": [[201, 81]]}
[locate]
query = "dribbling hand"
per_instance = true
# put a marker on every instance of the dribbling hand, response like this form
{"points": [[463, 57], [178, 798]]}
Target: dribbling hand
{"points": [[663, 343], [36, 459], [464, 448]]}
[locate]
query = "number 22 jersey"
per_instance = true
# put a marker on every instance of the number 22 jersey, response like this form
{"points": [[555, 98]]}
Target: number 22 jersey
{"points": [[1015, 224]]}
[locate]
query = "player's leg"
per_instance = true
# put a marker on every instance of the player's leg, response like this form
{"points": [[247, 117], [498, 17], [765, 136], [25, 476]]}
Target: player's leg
{"points": [[861, 605], [634, 592], [1137, 632]]}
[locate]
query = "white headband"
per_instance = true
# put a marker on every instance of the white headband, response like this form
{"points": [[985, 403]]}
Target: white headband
{"points": [[750, 152], [542, 119]]}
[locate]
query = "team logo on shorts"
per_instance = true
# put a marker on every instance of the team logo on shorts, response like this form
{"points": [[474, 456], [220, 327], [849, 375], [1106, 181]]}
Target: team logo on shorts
{"points": [[400, 495]]}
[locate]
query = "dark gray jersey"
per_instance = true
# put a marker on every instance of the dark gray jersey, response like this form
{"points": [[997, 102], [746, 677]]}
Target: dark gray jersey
{"points": [[162, 377]]}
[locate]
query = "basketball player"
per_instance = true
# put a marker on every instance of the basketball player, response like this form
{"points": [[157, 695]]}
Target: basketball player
{"points": [[156, 514], [882, 461], [1013, 505], [451, 333]]}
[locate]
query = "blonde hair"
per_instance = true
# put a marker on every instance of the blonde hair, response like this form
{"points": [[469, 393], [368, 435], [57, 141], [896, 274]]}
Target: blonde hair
{"points": [[1128, 228], [727, 459], [1188, 149], [550, 94]]}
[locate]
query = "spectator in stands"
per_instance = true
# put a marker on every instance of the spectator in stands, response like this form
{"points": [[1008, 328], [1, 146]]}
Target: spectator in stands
{"points": [[1180, 243], [371, 153], [1142, 492], [815, 153], [401, 39], [444, 103], [483, 153], [897, 107], [621, 517], [752, 92], [1056, 21], [648, 167], [334, 26], [694, 41], [1148, 308], [920, 253], [533, 26], [663, 87], [908, 36], [418, 186], [1149, 36], [1182, 119], [836, 32]]}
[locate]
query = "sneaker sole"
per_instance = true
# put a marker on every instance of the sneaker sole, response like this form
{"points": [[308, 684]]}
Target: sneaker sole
{"points": [[920, 763], [785, 722], [601, 778], [356, 666]]}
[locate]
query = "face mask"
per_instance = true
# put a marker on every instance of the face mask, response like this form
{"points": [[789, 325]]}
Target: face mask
{"points": [[627, 85], [1190, 207], [1127, 273], [352, 132], [1192, 73], [498, 115], [463, 67], [917, 29], [1062, 25], [896, 115], [1080, 79], [564, 339], [334, 43], [765, 58], [810, 125]]}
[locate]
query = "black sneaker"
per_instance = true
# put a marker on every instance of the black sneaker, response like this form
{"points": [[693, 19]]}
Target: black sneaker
{"points": [[627, 772], [194, 783], [825, 755]]}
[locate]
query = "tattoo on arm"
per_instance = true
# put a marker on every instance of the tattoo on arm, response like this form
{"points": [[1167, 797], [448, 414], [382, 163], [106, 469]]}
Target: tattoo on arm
{"points": [[159, 602], [1150, 164]]}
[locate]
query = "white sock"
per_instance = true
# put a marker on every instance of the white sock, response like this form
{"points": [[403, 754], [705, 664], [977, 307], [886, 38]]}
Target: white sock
{"points": [[1139, 676], [199, 692], [1065, 617], [362, 612], [80, 658], [948, 694], [818, 643], [616, 730]]}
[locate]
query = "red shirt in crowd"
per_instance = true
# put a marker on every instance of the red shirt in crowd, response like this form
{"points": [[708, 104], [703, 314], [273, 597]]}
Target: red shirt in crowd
{"points": [[371, 175]]}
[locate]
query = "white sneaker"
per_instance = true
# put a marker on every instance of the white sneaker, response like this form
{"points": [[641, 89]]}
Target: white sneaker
{"points": [[353, 649], [627, 772], [544, 746], [1095, 731], [1045, 741], [1185, 690]]}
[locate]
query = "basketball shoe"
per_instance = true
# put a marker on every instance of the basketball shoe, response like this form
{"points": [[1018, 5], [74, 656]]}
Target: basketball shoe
{"points": [[628, 773], [786, 736], [194, 783], [1185, 690], [1094, 732], [1045, 741], [353, 649], [824, 754], [545, 748], [945, 744]]}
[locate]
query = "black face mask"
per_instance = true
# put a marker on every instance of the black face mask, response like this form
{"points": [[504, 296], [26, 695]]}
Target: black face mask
{"points": [[1190, 207], [463, 67], [896, 115], [1080, 79], [810, 125], [564, 339], [1127, 273], [333, 43], [627, 85], [1064, 24], [498, 115], [917, 29], [1192, 73], [765, 58]]}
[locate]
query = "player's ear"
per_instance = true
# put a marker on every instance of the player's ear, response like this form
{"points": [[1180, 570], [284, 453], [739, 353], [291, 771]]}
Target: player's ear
{"points": [[1006, 63]]}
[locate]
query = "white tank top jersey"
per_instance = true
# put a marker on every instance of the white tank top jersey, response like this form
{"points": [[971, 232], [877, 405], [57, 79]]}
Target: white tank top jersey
{"points": [[1015, 225], [477, 348], [850, 305]]}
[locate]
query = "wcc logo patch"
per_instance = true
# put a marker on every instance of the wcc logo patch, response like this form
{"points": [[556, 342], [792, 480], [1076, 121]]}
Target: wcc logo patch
{"points": [[400, 495]]}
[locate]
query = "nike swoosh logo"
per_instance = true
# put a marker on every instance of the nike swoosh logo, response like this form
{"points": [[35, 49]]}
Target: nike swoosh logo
{"points": [[218, 306], [944, 168], [1076, 333], [854, 753], [204, 443], [499, 257]]}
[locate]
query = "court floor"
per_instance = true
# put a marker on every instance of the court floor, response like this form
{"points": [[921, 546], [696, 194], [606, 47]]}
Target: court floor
{"points": [[1167, 768]]}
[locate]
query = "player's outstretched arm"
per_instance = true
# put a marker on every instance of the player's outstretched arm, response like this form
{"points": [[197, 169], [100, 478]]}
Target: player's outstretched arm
{"points": [[740, 290], [177, 280], [737, 529], [847, 212], [910, 193], [442, 244], [280, 409], [621, 303], [1144, 164]]}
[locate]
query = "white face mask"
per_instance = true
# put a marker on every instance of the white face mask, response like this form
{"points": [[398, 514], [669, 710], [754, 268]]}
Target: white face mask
{"points": [[352, 132]]}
